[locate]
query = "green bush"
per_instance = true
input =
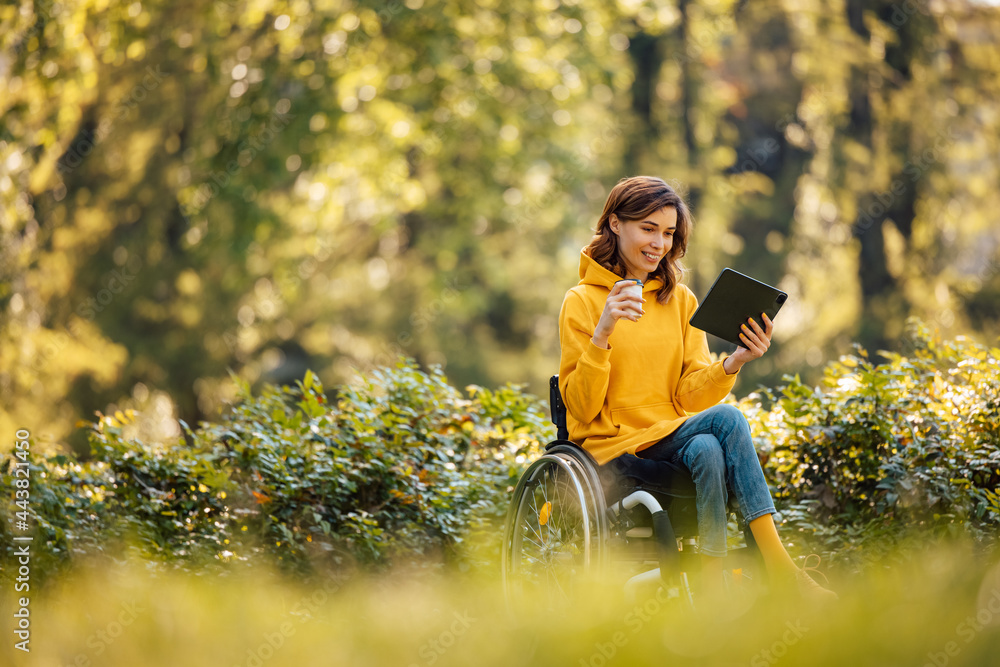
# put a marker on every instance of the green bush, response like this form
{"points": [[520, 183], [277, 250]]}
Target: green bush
{"points": [[881, 453], [403, 466]]}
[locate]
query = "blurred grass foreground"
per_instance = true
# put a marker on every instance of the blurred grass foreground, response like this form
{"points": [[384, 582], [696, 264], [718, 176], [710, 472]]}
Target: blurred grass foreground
{"points": [[361, 525], [942, 608]]}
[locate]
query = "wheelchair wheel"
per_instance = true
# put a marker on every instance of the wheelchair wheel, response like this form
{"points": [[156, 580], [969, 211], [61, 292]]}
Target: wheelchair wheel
{"points": [[591, 482], [552, 536]]}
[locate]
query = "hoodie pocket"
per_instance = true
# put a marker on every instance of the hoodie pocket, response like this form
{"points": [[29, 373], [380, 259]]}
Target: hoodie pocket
{"points": [[643, 416]]}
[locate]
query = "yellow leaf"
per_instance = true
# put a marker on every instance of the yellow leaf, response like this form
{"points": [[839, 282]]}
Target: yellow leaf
{"points": [[545, 513]]}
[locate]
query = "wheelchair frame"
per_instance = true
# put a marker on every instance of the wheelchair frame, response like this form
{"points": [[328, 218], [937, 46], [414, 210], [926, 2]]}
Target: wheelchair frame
{"points": [[560, 526]]}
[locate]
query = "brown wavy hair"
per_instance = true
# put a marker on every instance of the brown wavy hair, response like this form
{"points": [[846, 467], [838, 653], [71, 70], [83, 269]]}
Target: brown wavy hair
{"points": [[635, 198]]}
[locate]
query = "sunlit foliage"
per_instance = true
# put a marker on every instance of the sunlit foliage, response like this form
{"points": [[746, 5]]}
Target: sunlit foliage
{"points": [[876, 454], [191, 187]]}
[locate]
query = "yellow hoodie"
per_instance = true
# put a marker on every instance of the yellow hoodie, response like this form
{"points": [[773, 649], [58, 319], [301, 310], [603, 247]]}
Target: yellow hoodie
{"points": [[630, 396]]}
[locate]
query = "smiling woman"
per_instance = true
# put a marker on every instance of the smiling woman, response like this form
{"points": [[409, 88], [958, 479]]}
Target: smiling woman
{"points": [[632, 368], [643, 214]]}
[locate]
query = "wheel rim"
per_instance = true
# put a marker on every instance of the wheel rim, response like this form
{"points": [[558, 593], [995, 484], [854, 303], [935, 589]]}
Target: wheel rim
{"points": [[599, 522], [549, 541]]}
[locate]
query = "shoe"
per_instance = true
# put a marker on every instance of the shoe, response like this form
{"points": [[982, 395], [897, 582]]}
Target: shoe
{"points": [[807, 586]]}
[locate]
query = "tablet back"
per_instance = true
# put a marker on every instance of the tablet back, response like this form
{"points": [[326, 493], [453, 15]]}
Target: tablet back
{"points": [[732, 300]]}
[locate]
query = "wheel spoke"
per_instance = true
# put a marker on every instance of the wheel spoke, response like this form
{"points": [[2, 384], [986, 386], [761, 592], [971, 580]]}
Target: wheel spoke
{"points": [[548, 539], [534, 513], [545, 497]]}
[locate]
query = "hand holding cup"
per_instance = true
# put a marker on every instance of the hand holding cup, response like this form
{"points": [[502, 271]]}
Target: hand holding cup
{"points": [[623, 302]]}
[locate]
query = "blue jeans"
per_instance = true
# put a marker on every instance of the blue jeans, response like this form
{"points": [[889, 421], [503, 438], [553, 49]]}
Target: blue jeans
{"points": [[715, 446]]}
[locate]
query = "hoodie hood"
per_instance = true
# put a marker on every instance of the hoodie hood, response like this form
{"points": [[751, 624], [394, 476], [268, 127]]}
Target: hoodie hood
{"points": [[592, 273]]}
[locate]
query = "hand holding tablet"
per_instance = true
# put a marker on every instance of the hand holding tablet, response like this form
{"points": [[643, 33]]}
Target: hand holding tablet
{"points": [[732, 300]]}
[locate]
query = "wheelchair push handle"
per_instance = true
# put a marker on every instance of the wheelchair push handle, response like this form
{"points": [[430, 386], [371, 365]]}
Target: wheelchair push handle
{"points": [[558, 409]]}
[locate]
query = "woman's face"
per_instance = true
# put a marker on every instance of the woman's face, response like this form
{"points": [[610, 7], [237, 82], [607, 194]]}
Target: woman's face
{"points": [[642, 244]]}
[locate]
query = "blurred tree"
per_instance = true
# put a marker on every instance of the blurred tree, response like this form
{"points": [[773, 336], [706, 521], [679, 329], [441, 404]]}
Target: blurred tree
{"points": [[822, 146], [201, 185], [190, 187]]}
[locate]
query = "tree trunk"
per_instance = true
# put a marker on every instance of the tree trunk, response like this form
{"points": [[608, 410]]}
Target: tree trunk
{"points": [[644, 49], [873, 272]]}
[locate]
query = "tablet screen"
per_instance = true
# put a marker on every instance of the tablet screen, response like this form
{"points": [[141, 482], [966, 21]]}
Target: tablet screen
{"points": [[732, 300]]}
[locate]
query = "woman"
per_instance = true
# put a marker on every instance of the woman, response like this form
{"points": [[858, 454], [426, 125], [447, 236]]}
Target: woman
{"points": [[632, 367]]}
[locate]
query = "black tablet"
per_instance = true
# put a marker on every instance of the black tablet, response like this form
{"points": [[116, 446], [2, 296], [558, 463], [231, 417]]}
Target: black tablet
{"points": [[732, 300]]}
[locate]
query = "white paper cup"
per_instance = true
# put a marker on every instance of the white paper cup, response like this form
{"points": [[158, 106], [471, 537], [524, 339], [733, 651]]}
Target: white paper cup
{"points": [[634, 288]]}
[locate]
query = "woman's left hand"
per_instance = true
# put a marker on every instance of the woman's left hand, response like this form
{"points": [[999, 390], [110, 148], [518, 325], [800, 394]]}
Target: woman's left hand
{"points": [[756, 341]]}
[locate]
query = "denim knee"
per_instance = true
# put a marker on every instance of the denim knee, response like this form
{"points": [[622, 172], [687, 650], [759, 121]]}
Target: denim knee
{"points": [[730, 414], [705, 455]]}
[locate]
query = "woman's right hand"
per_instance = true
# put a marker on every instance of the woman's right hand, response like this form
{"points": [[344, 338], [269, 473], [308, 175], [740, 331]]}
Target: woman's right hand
{"points": [[617, 306]]}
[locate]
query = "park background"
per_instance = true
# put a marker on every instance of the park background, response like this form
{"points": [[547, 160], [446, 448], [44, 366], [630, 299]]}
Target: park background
{"points": [[192, 187], [202, 200]]}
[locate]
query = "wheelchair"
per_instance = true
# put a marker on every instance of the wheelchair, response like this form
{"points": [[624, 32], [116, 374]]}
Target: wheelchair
{"points": [[570, 520]]}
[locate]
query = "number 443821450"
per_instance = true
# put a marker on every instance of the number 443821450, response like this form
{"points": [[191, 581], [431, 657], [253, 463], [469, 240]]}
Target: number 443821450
{"points": [[21, 477]]}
